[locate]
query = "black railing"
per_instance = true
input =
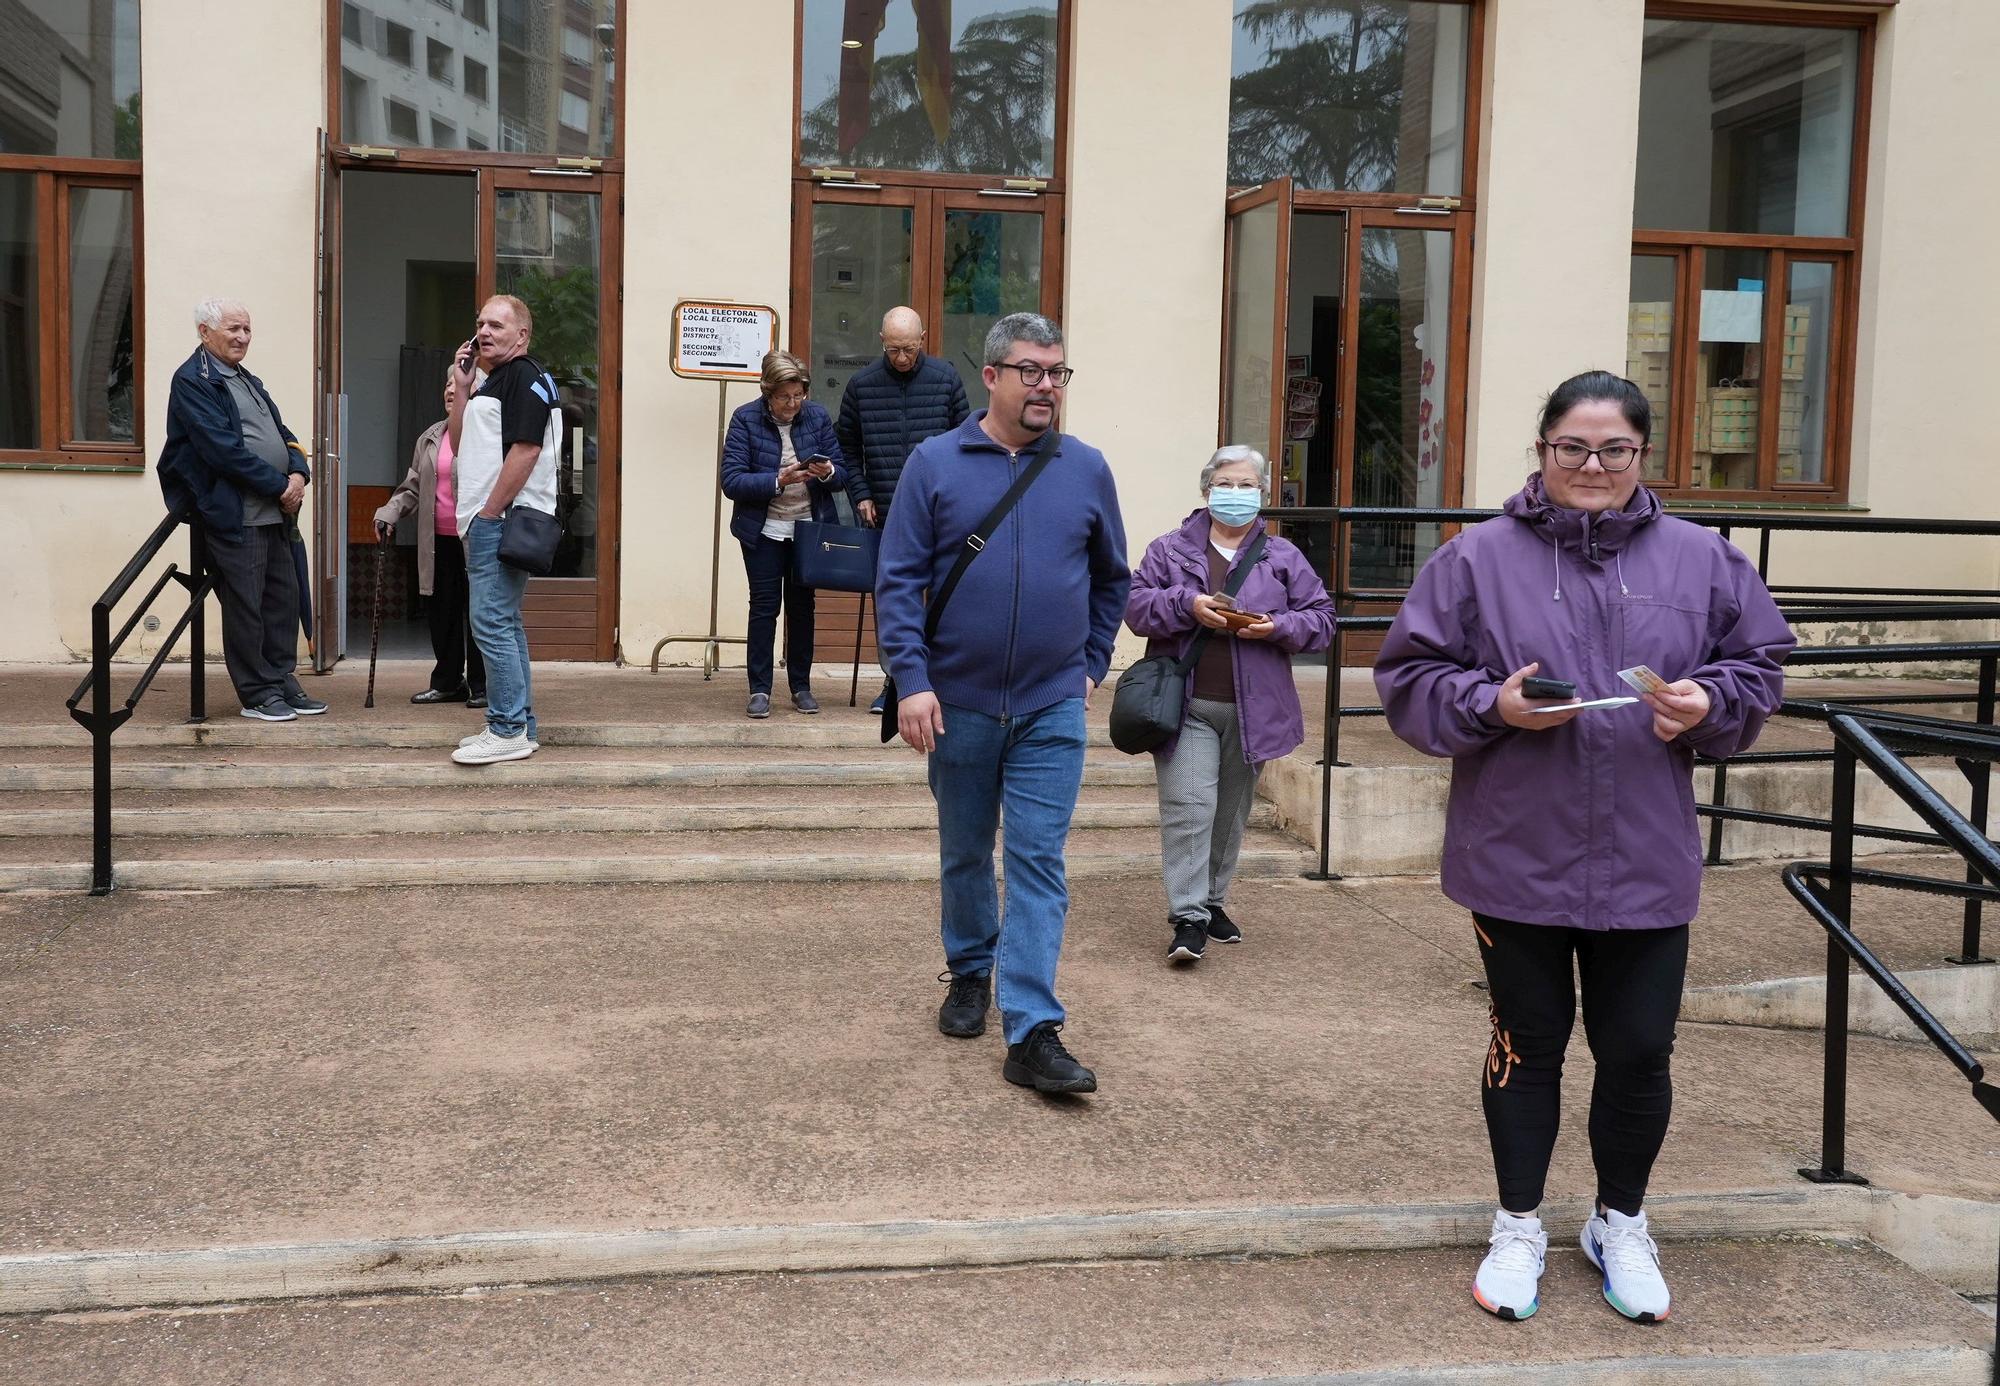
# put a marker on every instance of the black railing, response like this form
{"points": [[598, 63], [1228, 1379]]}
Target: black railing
{"points": [[1802, 605], [1882, 741], [102, 719]]}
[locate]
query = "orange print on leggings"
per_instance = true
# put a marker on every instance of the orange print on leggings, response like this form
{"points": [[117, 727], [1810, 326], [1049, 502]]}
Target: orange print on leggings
{"points": [[1500, 1055]]}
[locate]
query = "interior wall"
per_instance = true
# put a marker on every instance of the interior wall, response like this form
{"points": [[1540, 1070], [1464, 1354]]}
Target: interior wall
{"points": [[390, 220]]}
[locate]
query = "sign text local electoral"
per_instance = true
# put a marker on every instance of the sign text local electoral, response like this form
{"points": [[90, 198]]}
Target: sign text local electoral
{"points": [[722, 341]]}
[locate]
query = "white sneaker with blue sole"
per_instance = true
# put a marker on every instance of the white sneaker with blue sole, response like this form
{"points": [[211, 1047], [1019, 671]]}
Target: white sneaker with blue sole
{"points": [[1624, 1252], [1507, 1285]]}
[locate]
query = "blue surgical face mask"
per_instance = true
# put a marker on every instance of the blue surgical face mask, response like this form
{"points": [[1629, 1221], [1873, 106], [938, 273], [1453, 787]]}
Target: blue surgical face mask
{"points": [[1235, 505]]}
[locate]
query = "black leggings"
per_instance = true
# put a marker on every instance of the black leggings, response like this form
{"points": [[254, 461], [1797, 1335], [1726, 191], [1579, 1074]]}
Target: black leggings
{"points": [[1631, 997]]}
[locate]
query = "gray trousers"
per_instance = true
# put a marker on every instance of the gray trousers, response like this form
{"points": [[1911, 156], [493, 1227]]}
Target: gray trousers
{"points": [[259, 590], [1206, 791]]}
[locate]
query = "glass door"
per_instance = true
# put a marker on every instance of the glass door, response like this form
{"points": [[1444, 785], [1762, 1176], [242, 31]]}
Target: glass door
{"points": [[961, 257], [546, 239], [1256, 306]]}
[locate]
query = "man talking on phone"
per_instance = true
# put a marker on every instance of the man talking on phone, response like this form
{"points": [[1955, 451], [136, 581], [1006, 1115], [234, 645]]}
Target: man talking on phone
{"points": [[996, 695], [506, 434]]}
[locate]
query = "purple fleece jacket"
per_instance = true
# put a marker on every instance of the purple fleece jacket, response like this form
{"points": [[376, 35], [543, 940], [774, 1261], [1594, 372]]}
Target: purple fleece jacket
{"points": [[1590, 824], [1282, 585]]}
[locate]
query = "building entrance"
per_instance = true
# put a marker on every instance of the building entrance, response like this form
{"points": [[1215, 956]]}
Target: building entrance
{"points": [[1342, 365], [409, 256]]}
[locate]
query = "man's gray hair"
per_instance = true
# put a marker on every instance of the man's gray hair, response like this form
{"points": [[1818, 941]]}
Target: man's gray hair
{"points": [[1032, 328], [210, 311], [1237, 452]]}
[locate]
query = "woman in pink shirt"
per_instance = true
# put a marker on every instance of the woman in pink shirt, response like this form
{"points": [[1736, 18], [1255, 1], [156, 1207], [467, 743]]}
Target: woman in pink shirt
{"points": [[460, 674]]}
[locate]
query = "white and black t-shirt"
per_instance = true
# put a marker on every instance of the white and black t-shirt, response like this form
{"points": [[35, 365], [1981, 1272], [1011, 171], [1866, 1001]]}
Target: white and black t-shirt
{"points": [[515, 405]]}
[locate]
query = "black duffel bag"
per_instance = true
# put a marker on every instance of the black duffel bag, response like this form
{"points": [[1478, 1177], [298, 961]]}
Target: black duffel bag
{"points": [[1151, 697]]}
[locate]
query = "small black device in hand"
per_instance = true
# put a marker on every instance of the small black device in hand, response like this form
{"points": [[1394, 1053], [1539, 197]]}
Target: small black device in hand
{"points": [[1535, 686]]}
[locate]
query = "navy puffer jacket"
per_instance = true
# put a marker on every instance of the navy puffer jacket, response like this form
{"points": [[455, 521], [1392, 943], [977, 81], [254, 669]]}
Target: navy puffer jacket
{"points": [[752, 453], [885, 413]]}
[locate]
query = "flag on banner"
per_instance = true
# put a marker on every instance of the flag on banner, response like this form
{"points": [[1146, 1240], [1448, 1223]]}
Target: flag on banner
{"points": [[859, 29], [934, 64]]}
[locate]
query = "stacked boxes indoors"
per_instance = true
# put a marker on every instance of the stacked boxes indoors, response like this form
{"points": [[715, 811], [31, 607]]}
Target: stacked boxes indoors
{"points": [[1726, 410]]}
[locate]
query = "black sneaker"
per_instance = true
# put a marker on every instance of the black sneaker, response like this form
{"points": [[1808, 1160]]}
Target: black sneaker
{"points": [[1189, 939], [963, 1014], [303, 705], [271, 710], [1221, 927], [1040, 1062]]}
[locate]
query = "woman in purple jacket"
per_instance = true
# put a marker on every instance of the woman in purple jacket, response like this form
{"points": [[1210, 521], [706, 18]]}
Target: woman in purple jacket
{"points": [[1241, 708], [1571, 835]]}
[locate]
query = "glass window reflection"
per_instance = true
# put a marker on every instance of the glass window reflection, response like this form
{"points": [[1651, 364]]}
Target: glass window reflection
{"points": [[70, 74], [930, 85], [539, 81]]}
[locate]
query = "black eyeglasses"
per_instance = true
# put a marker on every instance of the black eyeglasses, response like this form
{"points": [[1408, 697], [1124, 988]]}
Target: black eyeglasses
{"points": [[1032, 374], [1614, 457]]}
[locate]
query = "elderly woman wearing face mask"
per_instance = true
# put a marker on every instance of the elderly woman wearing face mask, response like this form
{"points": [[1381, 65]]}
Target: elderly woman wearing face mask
{"points": [[1242, 708]]}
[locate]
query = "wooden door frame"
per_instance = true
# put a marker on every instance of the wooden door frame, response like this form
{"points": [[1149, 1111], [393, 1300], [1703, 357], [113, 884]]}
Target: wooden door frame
{"points": [[608, 189]]}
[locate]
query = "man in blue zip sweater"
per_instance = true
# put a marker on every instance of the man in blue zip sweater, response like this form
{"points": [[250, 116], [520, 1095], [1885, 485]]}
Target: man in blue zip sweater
{"points": [[997, 698]]}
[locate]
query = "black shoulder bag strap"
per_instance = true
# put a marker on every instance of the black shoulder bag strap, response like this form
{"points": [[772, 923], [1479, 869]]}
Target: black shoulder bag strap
{"points": [[975, 542], [1229, 589]]}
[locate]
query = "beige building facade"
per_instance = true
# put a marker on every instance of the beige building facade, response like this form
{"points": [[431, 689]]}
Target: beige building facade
{"points": [[683, 168]]}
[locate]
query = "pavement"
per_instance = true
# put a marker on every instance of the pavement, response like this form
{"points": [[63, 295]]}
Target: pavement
{"points": [[1769, 1313]]}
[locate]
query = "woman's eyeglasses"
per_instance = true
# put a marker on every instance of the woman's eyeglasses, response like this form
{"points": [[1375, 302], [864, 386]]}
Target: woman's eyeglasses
{"points": [[1614, 457]]}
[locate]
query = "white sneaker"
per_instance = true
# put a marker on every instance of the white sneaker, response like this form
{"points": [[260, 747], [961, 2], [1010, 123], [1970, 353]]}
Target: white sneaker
{"points": [[468, 740], [1508, 1277], [487, 749], [1624, 1251]]}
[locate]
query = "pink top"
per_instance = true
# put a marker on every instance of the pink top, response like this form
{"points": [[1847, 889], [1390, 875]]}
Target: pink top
{"points": [[447, 509]]}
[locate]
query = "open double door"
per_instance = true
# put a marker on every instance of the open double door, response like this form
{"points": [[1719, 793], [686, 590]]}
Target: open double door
{"points": [[406, 257], [1343, 362], [962, 257]]}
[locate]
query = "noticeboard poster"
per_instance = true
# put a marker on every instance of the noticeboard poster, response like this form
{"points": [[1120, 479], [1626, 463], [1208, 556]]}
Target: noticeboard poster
{"points": [[721, 340]]}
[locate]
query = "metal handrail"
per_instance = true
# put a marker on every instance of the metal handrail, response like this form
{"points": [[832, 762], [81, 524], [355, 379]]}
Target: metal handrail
{"points": [[1881, 741], [101, 719]]}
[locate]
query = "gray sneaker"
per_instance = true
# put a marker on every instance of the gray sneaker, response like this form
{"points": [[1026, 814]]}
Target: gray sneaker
{"points": [[759, 706], [304, 706], [272, 710]]}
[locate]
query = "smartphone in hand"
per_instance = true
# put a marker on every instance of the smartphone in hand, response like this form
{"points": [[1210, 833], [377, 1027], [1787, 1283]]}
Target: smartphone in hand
{"points": [[1536, 686]]}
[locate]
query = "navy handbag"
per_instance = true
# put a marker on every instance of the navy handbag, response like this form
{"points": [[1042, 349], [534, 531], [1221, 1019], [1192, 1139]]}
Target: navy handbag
{"points": [[839, 558]]}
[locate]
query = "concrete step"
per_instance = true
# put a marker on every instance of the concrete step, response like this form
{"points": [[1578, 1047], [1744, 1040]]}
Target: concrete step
{"points": [[847, 731], [438, 771], [354, 820], [807, 859], [1746, 1314]]}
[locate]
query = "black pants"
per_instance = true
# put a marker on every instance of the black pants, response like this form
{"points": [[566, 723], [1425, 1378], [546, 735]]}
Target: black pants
{"points": [[768, 562], [1631, 998], [459, 664], [259, 591]]}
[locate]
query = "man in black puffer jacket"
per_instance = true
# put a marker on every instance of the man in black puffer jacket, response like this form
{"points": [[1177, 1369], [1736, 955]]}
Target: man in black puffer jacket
{"points": [[890, 405]]}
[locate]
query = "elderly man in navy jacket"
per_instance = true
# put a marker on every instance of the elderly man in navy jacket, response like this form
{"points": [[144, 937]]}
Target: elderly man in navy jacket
{"points": [[889, 406], [997, 696], [229, 457]]}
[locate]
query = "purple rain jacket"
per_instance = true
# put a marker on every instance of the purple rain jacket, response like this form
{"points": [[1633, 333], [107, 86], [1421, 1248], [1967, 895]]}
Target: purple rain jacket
{"points": [[1592, 823], [1282, 585]]}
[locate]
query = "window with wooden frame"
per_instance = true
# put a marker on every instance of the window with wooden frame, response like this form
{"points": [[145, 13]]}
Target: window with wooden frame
{"points": [[1746, 248], [1353, 127], [70, 299]]}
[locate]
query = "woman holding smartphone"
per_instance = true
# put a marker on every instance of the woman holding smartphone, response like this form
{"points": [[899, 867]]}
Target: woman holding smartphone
{"points": [[1241, 708], [781, 464], [1571, 835]]}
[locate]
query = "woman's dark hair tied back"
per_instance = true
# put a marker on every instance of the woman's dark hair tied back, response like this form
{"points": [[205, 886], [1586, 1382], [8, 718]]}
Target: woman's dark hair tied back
{"points": [[1596, 385]]}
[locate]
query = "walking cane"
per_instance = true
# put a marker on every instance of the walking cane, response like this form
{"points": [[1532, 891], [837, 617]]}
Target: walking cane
{"points": [[375, 640]]}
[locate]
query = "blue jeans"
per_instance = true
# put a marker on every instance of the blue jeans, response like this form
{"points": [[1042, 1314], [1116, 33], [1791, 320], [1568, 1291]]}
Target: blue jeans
{"points": [[768, 565], [497, 628], [1027, 770]]}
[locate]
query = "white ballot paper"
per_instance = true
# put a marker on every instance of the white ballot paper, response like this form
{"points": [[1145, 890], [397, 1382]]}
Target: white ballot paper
{"points": [[1594, 702]]}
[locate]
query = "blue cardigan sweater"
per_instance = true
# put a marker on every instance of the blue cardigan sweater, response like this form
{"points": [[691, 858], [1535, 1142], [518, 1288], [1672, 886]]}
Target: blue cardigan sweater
{"points": [[1037, 611], [751, 452]]}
